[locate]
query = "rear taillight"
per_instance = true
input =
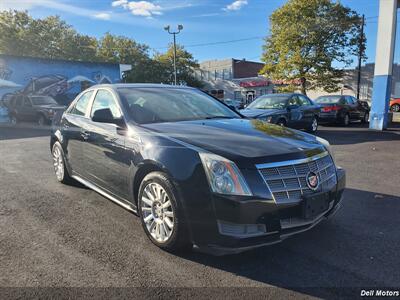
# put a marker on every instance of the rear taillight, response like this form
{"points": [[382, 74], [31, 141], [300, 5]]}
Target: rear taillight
{"points": [[330, 108]]}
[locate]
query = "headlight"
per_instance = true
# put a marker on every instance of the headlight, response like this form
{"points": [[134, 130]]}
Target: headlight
{"points": [[50, 111], [223, 175], [268, 119], [327, 146]]}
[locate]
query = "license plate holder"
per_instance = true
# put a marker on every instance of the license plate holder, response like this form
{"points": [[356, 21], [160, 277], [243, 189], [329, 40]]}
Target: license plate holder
{"points": [[314, 205]]}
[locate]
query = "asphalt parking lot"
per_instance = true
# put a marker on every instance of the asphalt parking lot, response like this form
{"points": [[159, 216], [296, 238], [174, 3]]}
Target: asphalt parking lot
{"points": [[52, 235]]}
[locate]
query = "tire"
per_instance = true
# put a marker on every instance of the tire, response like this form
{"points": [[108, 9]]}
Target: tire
{"points": [[281, 122], [395, 107], [346, 120], [313, 126], [13, 120], [365, 119], [60, 168], [41, 121], [164, 225]]}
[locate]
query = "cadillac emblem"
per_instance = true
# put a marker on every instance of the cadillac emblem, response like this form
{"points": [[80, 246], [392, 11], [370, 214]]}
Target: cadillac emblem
{"points": [[312, 180]]}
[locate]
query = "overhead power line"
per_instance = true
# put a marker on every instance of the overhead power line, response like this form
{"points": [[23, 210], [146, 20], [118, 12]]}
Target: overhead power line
{"points": [[218, 43]]}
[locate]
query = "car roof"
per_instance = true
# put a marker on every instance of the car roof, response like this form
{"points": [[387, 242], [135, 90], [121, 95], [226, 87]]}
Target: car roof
{"points": [[140, 85], [281, 94], [334, 96]]}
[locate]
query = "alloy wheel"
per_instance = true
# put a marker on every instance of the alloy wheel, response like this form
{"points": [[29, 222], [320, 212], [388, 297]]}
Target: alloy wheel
{"points": [[58, 163], [346, 120], [366, 117], [314, 125], [13, 120], [41, 121], [157, 212]]}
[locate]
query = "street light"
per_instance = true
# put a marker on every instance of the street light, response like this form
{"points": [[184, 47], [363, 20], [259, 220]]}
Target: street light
{"points": [[167, 28]]}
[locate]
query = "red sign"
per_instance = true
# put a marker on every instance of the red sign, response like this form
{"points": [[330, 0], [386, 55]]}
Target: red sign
{"points": [[254, 83]]}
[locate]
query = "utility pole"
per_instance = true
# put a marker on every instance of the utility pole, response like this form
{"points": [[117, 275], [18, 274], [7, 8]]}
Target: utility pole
{"points": [[174, 33], [360, 55]]}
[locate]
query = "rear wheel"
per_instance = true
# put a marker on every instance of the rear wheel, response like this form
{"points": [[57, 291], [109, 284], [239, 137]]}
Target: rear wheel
{"points": [[161, 213], [395, 107], [313, 126], [346, 120], [60, 169]]}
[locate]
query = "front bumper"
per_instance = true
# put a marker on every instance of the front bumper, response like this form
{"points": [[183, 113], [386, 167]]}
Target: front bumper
{"points": [[279, 221]]}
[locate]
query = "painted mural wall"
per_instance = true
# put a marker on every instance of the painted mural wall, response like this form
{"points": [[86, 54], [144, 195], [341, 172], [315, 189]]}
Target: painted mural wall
{"points": [[59, 79]]}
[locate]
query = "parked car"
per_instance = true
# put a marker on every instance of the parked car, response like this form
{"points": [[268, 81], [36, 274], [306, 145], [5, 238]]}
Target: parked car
{"points": [[236, 104], [394, 104], [194, 170], [291, 110], [40, 109], [3, 113], [53, 86], [342, 109]]}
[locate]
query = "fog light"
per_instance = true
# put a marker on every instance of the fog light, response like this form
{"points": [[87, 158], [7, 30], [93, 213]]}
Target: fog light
{"points": [[241, 230]]}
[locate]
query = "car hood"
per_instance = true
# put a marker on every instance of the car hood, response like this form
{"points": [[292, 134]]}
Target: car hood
{"points": [[254, 113], [246, 142]]}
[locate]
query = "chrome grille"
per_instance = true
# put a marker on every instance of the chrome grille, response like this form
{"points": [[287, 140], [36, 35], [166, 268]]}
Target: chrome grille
{"points": [[287, 180]]}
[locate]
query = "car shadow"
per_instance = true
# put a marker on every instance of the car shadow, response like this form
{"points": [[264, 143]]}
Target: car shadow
{"points": [[356, 248], [357, 133], [23, 130]]}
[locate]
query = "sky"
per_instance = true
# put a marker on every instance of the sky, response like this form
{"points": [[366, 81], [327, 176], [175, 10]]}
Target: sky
{"points": [[213, 29]]}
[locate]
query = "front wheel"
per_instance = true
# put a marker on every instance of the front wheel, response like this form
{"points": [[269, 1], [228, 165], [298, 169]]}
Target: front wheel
{"points": [[395, 108], [41, 120], [13, 120], [365, 119], [60, 169], [161, 212], [313, 126], [281, 122]]}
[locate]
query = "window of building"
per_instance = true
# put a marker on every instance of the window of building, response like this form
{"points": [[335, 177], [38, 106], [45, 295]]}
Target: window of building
{"points": [[237, 95]]}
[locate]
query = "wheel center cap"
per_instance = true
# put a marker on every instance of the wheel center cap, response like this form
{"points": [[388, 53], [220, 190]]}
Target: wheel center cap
{"points": [[158, 210]]}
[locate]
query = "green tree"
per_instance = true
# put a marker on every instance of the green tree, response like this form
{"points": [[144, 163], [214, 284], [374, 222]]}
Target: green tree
{"points": [[185, 66], [50, 37], [308, 40], [120, 49]]}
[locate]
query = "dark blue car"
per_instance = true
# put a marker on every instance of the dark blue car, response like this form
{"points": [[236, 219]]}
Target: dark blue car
{"points": [[291, 110]]}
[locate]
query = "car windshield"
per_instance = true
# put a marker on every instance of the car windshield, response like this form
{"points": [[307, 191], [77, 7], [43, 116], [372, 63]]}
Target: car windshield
{"points": [[40, 100], [155, 105], [267, 102], [328, 99]]}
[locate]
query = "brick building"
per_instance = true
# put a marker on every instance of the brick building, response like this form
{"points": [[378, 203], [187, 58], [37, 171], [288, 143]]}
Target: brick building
{"points": [[234, 79]]}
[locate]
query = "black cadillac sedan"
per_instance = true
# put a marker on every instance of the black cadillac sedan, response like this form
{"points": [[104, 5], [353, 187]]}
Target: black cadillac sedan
{"points": [[195, 171], [291, 110]]}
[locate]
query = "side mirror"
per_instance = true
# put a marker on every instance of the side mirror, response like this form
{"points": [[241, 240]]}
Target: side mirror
{"points": [[105, 116]]}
